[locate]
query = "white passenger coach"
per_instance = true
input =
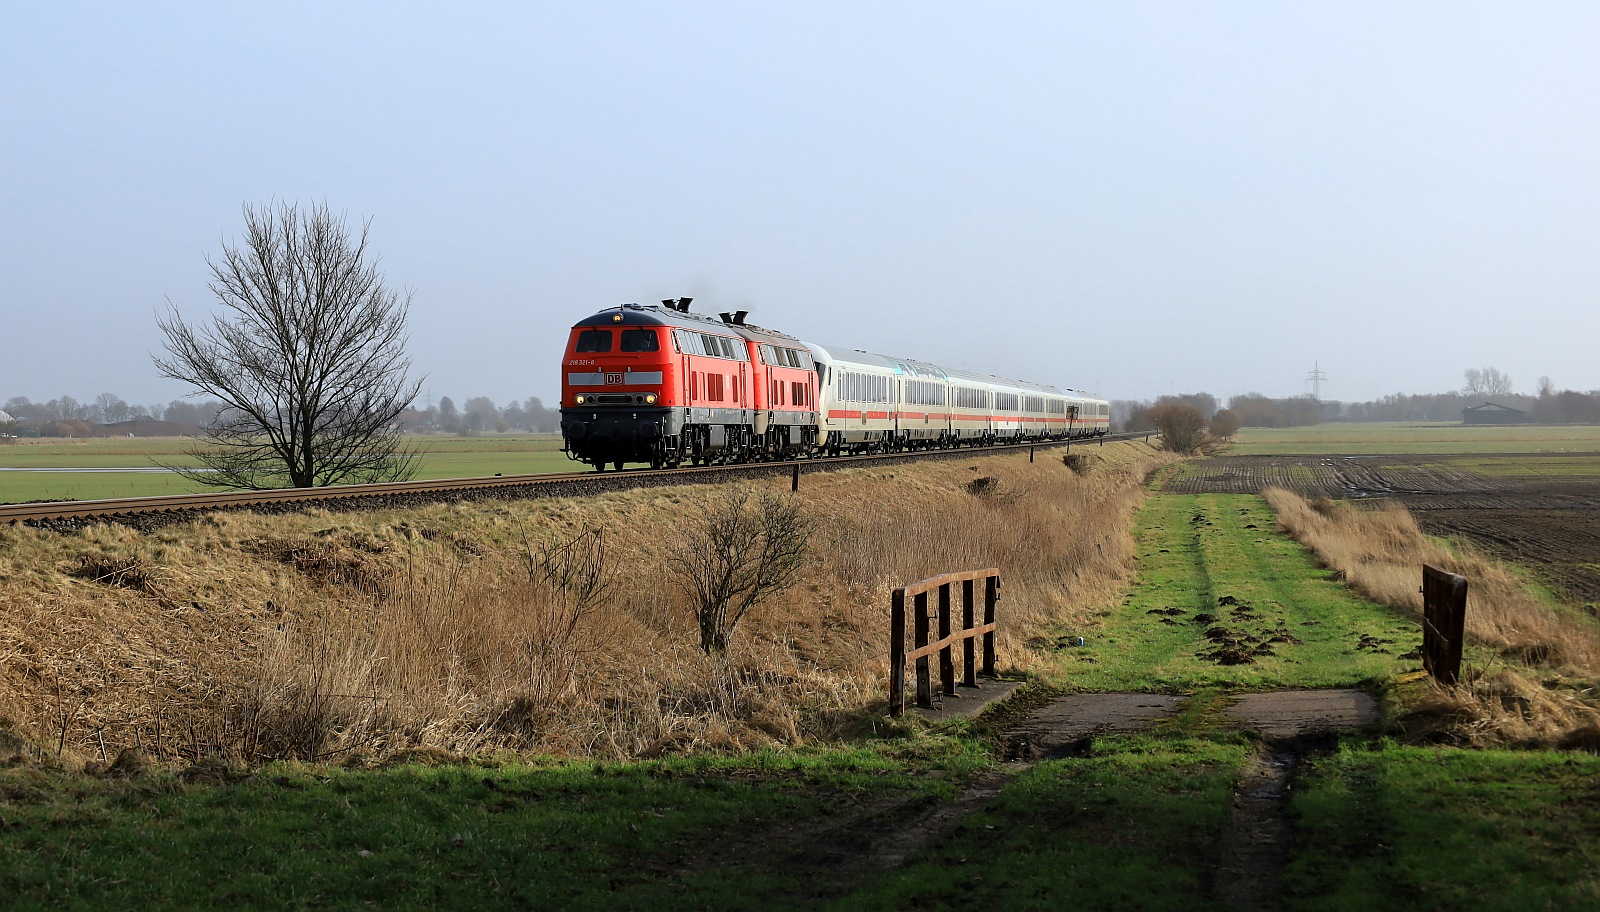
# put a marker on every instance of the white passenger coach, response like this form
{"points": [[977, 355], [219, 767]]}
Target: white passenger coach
{"points": [[875, 403]]}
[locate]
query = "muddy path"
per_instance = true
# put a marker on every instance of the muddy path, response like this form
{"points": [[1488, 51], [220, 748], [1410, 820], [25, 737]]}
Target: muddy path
{"points": [[843, 852]]}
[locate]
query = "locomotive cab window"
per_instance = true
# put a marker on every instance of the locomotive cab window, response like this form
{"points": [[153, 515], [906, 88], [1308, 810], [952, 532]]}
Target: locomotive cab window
{"points": [[594, 340], [639, 340]]}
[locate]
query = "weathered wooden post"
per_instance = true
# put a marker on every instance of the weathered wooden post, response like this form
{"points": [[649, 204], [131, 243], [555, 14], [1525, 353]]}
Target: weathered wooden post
{"points": [[991, 596], [969, 668], [947, 664], [1444, 621], [794, 484], [897, 653], [920, 625]]}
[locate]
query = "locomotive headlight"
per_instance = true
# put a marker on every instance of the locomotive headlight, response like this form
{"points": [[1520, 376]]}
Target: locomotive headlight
{"points": [[649, 398], [578, 399]]}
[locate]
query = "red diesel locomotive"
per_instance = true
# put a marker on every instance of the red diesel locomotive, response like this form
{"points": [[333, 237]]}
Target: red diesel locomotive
{"points": [[663, 386]]}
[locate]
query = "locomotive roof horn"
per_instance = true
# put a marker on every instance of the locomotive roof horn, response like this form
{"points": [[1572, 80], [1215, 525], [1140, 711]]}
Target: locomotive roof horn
{"points": [[726, 316], [681, 305], [738, 317]]}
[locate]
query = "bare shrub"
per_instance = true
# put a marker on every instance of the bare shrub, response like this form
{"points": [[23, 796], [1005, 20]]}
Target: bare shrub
{"points": [[123, 572], [1081, 463], [1225, 423], [1182, 426], [329, 560], [735, 555]]}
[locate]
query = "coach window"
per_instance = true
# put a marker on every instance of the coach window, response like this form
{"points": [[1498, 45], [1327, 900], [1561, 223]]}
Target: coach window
{"points": [[640, 340], [594, 340]]}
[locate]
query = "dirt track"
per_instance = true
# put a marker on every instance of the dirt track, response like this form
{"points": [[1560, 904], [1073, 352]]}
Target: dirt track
{"points": [[869, 839], [1549, 521]]}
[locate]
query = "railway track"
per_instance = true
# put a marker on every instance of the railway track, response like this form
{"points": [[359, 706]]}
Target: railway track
{"points": [[152, 512]]}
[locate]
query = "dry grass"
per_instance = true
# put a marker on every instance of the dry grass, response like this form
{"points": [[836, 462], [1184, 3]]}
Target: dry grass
{"points": [[361, 635], [1541, 690]]}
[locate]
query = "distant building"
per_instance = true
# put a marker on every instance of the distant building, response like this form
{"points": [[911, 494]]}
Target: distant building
{"points": [[6, 419], [1491, 413]]}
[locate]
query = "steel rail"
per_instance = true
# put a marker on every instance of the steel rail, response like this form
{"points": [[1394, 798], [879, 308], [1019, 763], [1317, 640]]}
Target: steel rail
{"points": [[569, 482]]}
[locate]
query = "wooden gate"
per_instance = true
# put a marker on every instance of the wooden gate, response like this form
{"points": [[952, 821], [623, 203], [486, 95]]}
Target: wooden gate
{"points": [[922, 649]]}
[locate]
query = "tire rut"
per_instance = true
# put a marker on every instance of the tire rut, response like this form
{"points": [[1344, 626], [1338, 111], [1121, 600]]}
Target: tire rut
{"points": [[1255, 846]]}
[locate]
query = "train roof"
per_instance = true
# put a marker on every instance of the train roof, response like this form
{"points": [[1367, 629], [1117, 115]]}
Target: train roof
{"points": [[913, 368], [732, 324], [657, 315]]}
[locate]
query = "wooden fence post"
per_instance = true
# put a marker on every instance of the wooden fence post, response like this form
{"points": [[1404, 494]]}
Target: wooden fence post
{"points": [[947, 665], [969, 668], [897, 653], [991, 596], [920, 625], [1444, 617]]}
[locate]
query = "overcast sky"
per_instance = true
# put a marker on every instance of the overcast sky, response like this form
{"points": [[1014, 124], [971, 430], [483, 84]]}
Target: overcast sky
{"points": [[1129, 198]]}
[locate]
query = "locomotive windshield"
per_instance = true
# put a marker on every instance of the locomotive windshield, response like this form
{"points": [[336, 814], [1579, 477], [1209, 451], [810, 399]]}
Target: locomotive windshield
{"points": [[594, 340], [640, 340]]}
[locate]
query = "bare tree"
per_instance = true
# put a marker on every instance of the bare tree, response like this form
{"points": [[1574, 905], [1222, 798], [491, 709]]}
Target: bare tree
{"points": [[1225, 423], [112, 408], [308, 358], [736, 555], [1182, 426], [1486, 382]]}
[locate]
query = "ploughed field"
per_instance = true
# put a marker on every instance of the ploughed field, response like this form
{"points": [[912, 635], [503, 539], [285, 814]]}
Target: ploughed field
{"points": [[1540, 510]]}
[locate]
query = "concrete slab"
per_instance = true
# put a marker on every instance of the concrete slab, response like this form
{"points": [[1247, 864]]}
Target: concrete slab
{"points": [[1288, 713], [967, 702], [1059, 727]]}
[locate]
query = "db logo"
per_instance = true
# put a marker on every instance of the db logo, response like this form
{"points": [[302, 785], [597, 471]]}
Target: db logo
{"points": [[613, 379]]}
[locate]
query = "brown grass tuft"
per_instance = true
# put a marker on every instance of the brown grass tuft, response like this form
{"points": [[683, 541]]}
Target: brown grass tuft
{"points": [[1501, 709], [1379, 551]]}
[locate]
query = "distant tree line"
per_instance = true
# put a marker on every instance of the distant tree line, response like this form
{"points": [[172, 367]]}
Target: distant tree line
{"points": [[108, 415], [479, 415], [1187, 424], [1549, 406]]}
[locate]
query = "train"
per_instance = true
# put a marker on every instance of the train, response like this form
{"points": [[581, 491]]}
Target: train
{"points": [[663, 386]]}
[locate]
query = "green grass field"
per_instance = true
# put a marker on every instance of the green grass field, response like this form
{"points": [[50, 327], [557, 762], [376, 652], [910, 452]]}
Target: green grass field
{"points": [[1197, 552], [1404, 439], [559, 836], [442, 457]]}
